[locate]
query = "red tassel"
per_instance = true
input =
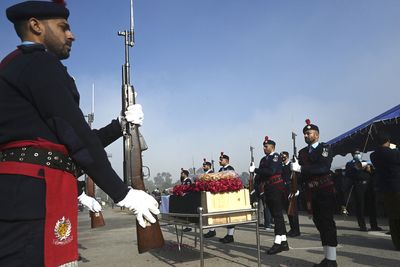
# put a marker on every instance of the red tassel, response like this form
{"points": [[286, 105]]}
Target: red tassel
{"points": [[308, 122], [204, 160], [266, 139], [60, 2], [222, 153]]}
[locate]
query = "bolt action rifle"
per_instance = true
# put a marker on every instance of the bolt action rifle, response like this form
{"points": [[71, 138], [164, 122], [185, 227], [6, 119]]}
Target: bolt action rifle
{"points": [[293, 182], [150, 237]]}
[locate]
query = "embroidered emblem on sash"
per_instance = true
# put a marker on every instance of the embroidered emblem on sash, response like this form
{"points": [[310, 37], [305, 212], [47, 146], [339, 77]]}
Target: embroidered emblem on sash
{"points": [[62, 232]]}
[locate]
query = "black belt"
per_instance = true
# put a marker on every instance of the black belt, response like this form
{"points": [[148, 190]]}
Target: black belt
{"points": [[43, 157], [320, 182]]}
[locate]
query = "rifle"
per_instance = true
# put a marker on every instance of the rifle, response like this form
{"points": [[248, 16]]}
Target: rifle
{"points": [[96, 218], [293, 184], [251, 178], [151, 236]]}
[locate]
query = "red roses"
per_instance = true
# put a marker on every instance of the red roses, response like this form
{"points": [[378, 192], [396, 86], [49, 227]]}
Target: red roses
{"points": [[213, 186]]}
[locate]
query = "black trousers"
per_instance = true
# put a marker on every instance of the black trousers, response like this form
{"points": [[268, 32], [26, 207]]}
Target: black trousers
{"points": [[273, 198], [293, 219], [392, 206], [22, 243], [323, 206], [359, 198], [365, 195]]}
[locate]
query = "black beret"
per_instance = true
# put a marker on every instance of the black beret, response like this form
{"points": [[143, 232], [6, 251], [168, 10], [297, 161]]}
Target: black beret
{"points": [[310, 126], [185, 172], [205, 162], [36, 9], [223, 156], [382, 137], [267, 141]]}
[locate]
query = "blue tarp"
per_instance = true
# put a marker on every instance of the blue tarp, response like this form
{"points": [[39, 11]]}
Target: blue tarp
{"points": [[362, 136]]}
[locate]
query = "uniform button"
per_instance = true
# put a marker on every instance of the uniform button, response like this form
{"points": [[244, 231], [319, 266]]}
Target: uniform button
{"points": [[50, 153], [21, 159], [49, 158], [48, 163]]}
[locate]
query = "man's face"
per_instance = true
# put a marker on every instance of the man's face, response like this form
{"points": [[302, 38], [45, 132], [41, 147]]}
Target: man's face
{"points": [[268, 148], [223, 161], [311, 136], [284, 158], [206, 167], [58, 37]]}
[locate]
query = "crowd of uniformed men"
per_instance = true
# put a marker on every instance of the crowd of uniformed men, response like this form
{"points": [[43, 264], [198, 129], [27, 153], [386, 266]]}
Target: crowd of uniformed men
{"points": [[322, 190]]}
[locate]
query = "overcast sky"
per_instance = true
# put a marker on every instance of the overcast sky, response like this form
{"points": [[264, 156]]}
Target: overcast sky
{"points": [[219, 75]]}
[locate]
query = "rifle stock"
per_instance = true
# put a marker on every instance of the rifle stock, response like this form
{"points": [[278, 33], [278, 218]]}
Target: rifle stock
{"points": [[96, 218], [293, 200], [150, 237]]}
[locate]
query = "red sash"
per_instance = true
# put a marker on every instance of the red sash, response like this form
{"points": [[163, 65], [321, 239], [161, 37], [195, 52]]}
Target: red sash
{"points": [[61, 221]]}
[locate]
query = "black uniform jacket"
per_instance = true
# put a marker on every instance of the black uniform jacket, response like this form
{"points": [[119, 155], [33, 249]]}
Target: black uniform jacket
{"points": [[39, 99], [355, 171], [387, 164], [269, 165], [286, 174], [315, 163], [226, 168]]}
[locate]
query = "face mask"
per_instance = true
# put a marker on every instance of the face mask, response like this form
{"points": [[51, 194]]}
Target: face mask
{"points": [[357, 156]]}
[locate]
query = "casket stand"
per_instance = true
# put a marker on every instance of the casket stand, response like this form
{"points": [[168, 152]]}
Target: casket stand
{"points": [[205, 210]]}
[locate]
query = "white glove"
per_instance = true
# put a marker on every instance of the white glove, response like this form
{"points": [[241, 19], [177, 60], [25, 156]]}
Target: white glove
{"points": [[89, 202], [134, 114], [142, 205], [295, 166], [293, 195], [364, 164], [252, 167]]}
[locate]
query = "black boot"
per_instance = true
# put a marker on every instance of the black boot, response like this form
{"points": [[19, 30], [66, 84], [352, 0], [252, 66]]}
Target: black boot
{"points": [[276, 248], [227, 239], [293, 233], [326, 263], [210, 234]]}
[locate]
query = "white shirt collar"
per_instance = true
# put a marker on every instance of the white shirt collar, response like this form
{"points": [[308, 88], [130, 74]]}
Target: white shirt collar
{"points": [[315, 145]]}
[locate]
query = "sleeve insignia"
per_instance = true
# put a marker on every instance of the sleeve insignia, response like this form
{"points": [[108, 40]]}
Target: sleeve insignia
{"points": [[325, 152]]}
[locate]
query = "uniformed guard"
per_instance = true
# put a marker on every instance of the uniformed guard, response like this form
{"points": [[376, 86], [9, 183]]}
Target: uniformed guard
{"points": [[207, 166], [228, 238], [185, 179], [386, 159], [314, 164], [286, 177], [45, 142], [358, 171], [270, 171]]}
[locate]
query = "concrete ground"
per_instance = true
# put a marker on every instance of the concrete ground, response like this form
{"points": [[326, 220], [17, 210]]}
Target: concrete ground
{"points": [[115, 245]]}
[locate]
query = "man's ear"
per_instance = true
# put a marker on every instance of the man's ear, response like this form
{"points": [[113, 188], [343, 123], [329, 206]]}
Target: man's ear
{"points": [[35, 26]]}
